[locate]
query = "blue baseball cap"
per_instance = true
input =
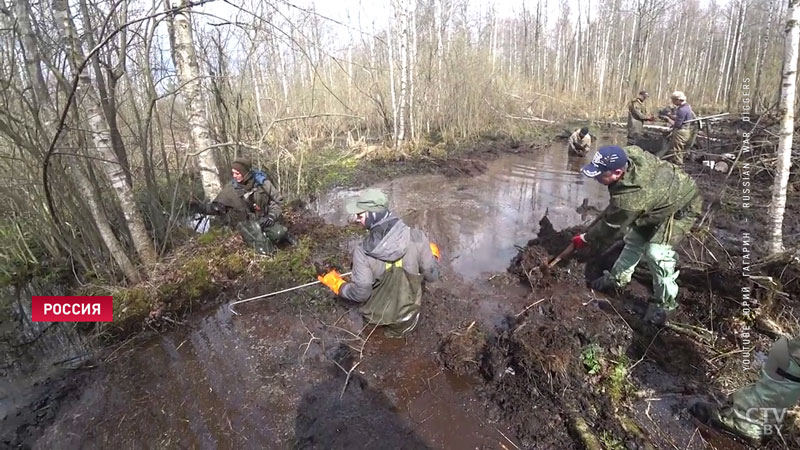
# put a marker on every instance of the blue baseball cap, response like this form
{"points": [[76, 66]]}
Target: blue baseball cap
{"points": [[610, 157]]}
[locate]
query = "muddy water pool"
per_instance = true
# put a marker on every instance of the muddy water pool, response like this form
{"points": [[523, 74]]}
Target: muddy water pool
{"points": [[265, 378]]}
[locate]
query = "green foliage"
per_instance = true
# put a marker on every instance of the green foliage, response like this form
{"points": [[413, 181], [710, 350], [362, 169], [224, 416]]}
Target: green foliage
{"points": [[617, 380], [197, 278], [592, 358], [131, 302], [293, 264], [213, 235], [611, 442]]}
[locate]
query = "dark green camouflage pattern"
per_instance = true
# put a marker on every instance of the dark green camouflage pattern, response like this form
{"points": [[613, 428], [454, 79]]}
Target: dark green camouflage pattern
{"points": [[651, 192]]}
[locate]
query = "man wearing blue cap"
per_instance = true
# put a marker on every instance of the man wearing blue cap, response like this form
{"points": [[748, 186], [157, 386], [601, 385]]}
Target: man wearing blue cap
{"points": [[655, 204]]}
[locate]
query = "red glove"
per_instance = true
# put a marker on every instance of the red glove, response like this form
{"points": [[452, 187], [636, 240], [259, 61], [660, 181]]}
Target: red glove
{"points": [[435, 251], [333, 280], [578, 241]]}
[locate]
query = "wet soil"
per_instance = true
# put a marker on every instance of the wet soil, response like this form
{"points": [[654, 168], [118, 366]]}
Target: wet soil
{"points": [[497, 361]]}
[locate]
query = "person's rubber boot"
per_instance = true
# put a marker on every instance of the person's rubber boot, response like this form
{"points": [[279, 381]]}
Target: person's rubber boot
{"points": [[290, 239], [606, 284], [657, 315], [709, 415]]}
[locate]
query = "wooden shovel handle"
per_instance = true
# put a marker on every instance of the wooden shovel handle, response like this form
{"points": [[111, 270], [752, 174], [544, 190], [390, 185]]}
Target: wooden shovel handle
{"points": [[566, 252]]}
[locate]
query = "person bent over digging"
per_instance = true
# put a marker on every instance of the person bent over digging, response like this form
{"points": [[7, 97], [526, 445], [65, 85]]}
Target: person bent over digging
{"points": [[755, 413], [655, 203], [389, 266], [253, 205]]}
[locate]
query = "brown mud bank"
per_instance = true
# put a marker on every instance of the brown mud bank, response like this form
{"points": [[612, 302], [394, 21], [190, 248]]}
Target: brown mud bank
{"points": [[580, 370]]}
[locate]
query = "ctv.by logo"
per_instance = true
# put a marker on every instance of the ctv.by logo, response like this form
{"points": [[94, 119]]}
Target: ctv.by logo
{"points": [[769, 418]]}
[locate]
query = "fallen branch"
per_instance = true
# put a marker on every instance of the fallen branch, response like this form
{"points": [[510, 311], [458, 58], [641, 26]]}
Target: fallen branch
{"points": [[532, 119]]}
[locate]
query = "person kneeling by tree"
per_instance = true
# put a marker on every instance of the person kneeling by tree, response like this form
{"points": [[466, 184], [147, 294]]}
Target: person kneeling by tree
{"points": [[657, 203], [253, 205], [388, 267]]}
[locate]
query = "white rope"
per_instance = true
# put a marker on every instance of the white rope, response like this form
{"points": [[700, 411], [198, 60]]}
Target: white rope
{"points": [[259, 297]]}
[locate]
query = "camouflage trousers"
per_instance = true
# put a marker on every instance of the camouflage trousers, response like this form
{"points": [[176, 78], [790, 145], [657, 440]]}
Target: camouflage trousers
{"points": [[757, 410], [262, 241], [656, 246]]}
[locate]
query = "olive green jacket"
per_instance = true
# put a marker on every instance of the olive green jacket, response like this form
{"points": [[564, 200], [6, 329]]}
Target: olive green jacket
{"points": [[240, 201], [648, 194], [637, 114]]}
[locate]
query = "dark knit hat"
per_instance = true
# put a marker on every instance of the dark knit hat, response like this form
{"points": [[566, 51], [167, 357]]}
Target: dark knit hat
{"points": [[242, 165]]}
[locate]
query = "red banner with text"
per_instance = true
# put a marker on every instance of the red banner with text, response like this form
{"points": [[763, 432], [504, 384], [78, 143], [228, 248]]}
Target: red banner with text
{"points": [[72, 308]]}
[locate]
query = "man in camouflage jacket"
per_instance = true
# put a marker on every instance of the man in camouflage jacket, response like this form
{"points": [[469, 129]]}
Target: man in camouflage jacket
{"points": [[253, 205], [655, 204], [637, 116]]}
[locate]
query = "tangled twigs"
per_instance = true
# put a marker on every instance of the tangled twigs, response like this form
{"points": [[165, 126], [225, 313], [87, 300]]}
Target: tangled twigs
{"points": [[360, 351]]}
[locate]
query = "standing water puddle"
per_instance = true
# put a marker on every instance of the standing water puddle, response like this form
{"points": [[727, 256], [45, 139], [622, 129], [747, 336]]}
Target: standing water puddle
{"points": [[478, 221], [260, 380]]}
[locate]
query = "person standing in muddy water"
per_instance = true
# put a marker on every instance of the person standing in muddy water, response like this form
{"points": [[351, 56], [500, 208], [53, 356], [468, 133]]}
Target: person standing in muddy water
{"points": [[253, 205], [637, 116], [655, 204], [389, 266], [682, 134], [755, 413], [579, 142]]}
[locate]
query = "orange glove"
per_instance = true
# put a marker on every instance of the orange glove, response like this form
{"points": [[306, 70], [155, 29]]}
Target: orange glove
{"points": [[333, 280], [435, 251]]}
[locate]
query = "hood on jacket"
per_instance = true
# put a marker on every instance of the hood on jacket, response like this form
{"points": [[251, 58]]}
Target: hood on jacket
{"points": [[388, 239]]}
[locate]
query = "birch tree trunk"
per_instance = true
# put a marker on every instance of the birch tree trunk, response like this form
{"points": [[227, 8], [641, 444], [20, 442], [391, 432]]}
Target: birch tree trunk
{"points": [[392, 89], [102, 137], [47, 116], [439, 57], [778, 205], [412, 64], [189, 76], [403, 41]]}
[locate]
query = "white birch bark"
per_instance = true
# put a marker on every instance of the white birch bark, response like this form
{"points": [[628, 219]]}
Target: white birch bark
{"points": [[47, 115], [723, 63], [439, 56], [101, 136], [411, 66], [392, 89], [403, 42], [189, 76], [784, 162]]}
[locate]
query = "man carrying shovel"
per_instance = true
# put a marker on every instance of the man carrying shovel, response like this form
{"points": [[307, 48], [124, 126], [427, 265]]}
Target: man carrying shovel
{"points": [[655, 204], [388, 266]]}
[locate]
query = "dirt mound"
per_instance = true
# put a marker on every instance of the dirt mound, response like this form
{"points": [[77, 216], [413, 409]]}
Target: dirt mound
{"points": [[461, 350], [530, 264], [558, 366]]}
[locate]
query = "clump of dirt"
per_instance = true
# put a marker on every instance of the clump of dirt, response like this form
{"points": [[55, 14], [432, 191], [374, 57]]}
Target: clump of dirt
{"points": [[555, 365], [461, 350], [531, 263]]}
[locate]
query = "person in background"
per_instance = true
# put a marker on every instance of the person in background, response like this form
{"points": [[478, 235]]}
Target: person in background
{"points": [[637, 116], [579, 142], [251, 204], [682, 134]]}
